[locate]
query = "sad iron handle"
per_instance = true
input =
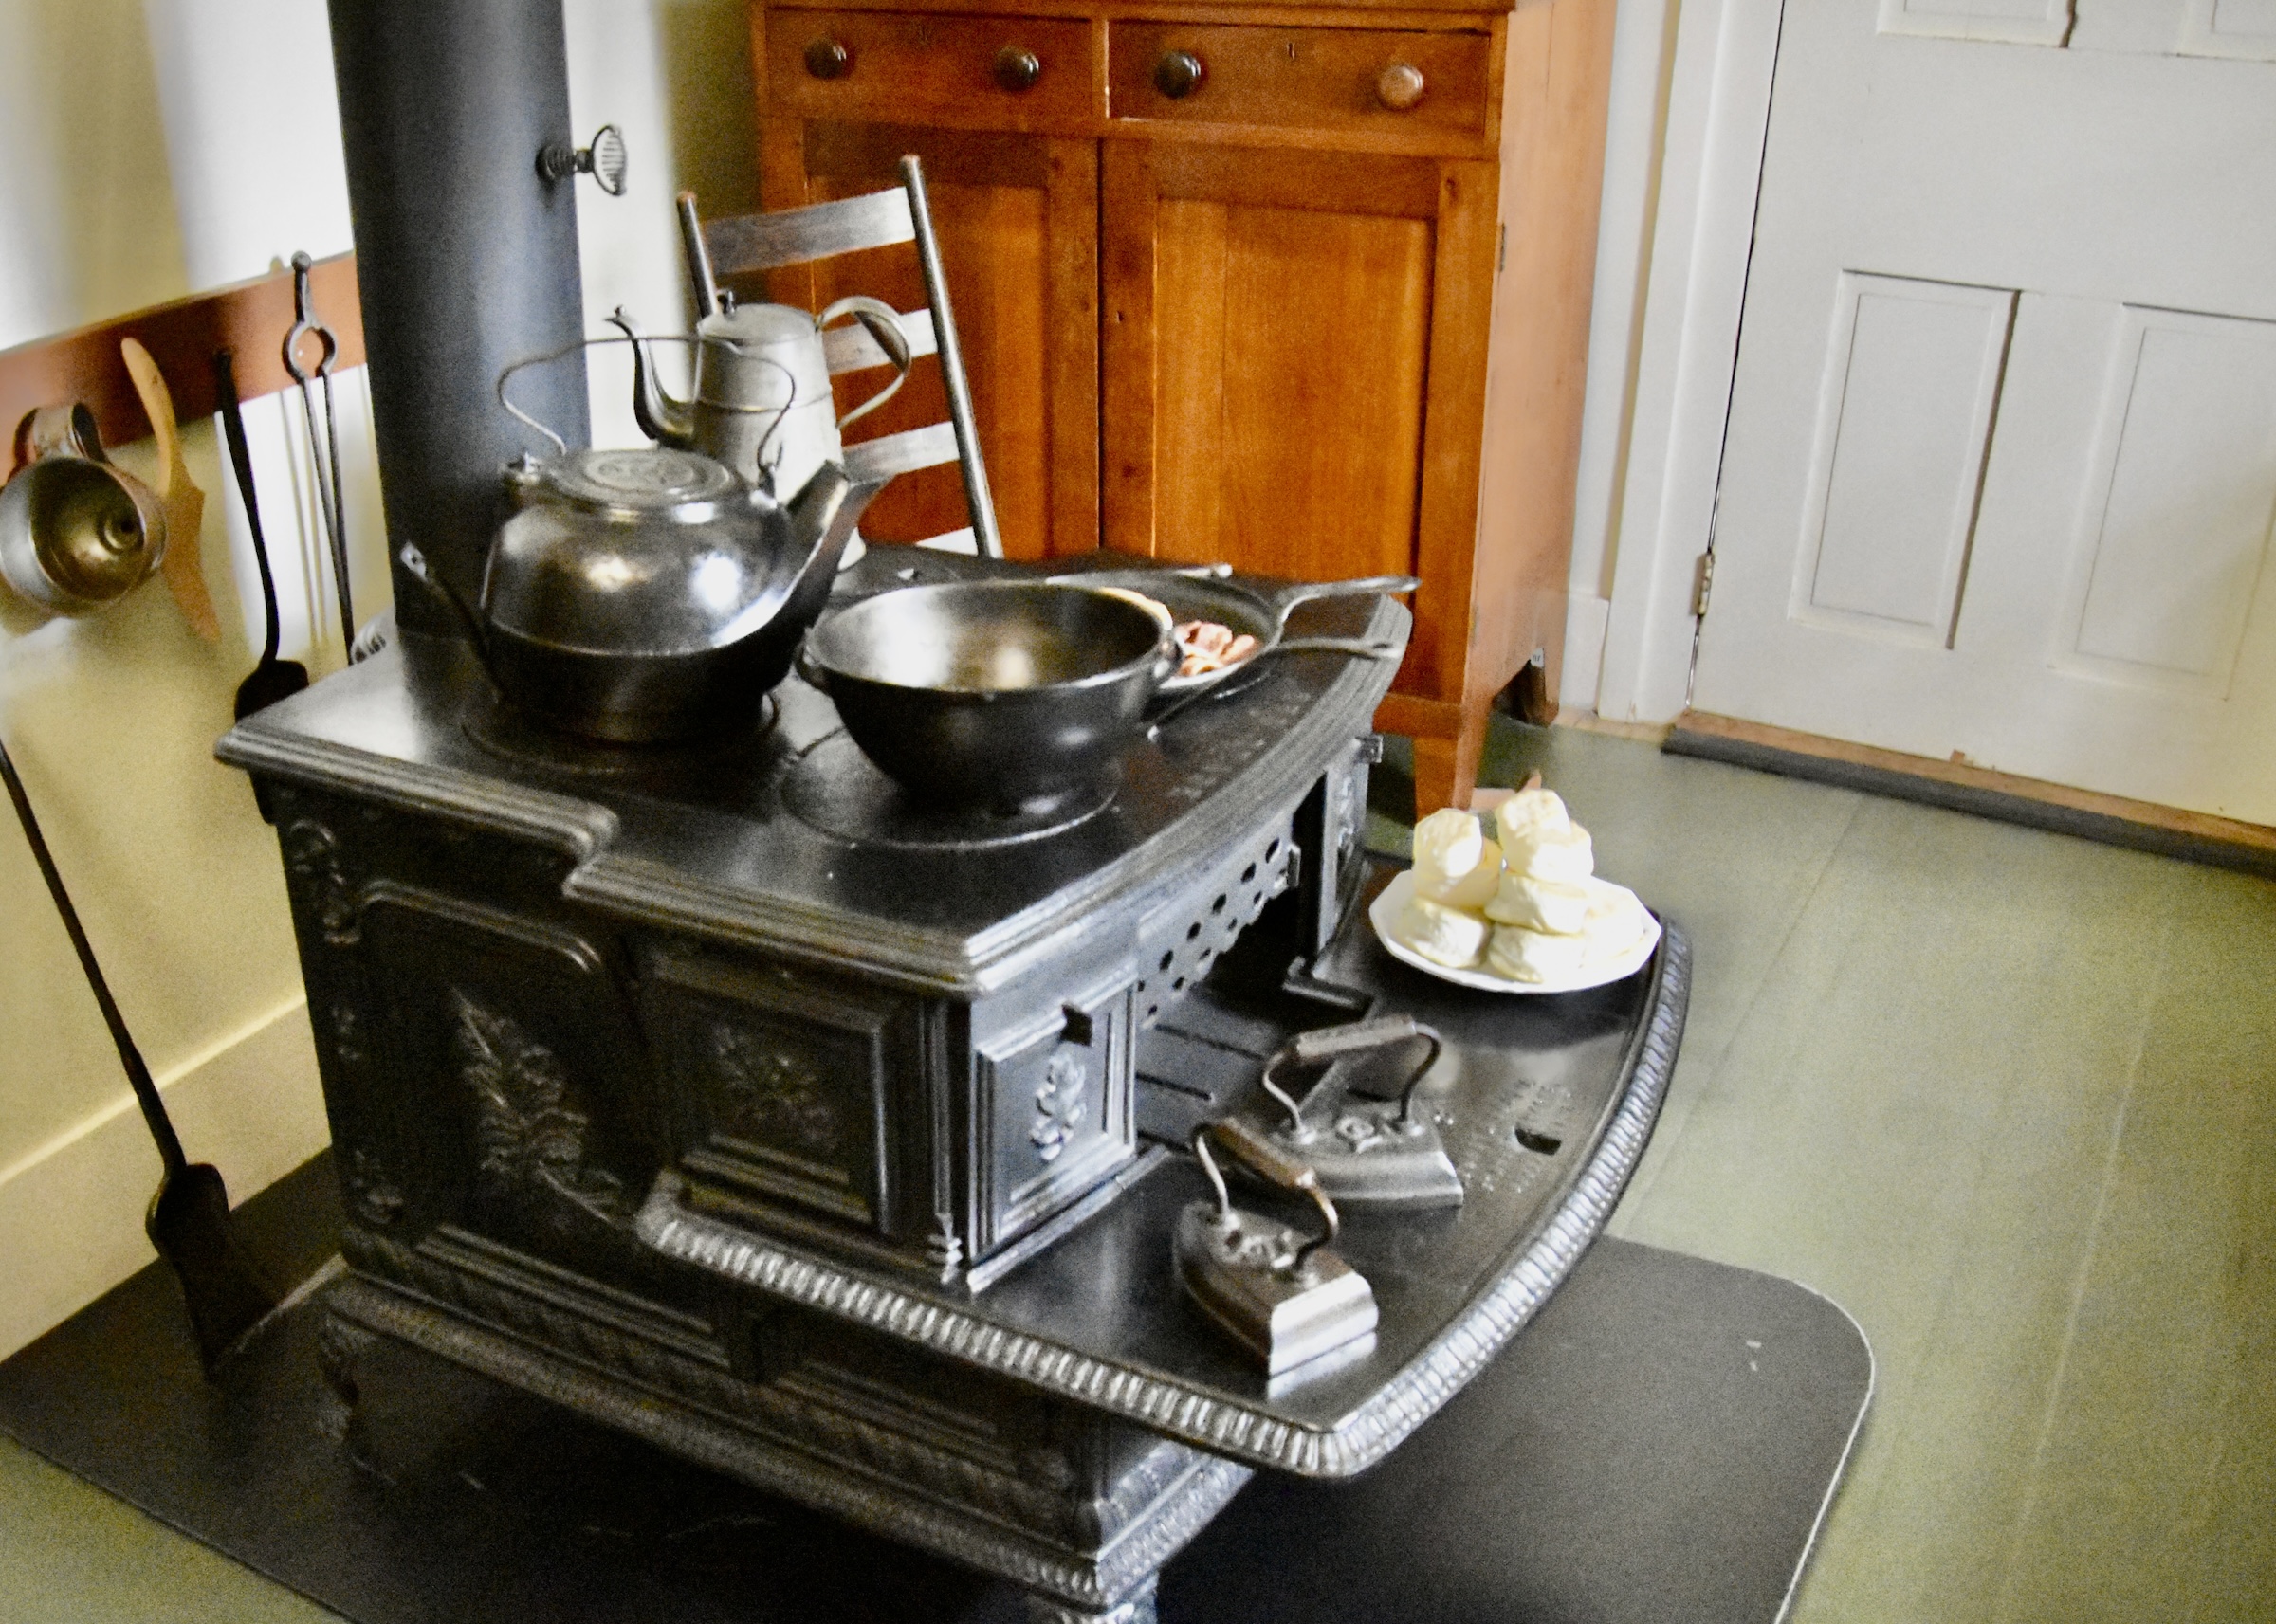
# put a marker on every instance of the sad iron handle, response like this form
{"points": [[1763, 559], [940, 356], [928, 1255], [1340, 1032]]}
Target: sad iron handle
{"points": [[1329, 1043], [1270, 1163]]}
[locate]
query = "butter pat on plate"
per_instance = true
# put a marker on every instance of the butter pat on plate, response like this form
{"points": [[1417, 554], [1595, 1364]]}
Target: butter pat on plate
{"points": [[1599, 965], [1444, 936]]}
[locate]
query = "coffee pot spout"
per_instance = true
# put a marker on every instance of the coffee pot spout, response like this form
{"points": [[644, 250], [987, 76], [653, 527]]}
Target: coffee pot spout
{"points": [[666, 421]]}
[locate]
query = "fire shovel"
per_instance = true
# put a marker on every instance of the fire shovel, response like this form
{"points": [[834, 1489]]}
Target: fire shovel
{"points": [[189, 1217]]}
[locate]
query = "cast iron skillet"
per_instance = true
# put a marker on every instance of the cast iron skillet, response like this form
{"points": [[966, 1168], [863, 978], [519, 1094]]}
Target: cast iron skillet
{"points": [[1245, 610]]}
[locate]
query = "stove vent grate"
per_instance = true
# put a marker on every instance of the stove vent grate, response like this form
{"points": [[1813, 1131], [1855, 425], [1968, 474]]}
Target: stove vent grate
{"points": [[1184, 935]]}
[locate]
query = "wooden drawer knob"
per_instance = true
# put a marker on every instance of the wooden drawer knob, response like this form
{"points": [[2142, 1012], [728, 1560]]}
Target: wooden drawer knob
{"points": [[827, 58], [1399, 86], [1179, 74], [1017, 68]]}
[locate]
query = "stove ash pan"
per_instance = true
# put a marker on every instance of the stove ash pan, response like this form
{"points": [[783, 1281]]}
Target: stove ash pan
{"points": [[509, 1070]]}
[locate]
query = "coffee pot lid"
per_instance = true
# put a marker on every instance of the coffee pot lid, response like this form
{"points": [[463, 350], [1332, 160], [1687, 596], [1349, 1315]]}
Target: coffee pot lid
{"points": [[758, 324]]}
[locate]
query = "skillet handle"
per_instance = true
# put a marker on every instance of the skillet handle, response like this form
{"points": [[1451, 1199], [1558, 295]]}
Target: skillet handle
{"points": [[1304, 592], [1358, 646]]}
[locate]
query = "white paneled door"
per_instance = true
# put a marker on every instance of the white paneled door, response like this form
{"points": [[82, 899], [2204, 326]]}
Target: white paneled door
{"points": [[2000, 472]]}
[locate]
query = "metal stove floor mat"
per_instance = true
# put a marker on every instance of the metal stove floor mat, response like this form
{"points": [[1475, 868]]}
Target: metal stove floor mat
{"points": [[1661, 1443]]}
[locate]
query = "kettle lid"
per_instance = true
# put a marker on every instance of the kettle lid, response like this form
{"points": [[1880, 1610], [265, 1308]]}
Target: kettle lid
{"points": [[639, 480]]}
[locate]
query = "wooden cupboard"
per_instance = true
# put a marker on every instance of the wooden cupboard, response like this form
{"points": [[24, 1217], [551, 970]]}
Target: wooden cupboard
{"points": [[1301, 288]]}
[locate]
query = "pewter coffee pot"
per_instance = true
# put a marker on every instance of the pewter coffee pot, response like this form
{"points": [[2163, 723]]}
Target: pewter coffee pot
{"points": [[761, 402]]}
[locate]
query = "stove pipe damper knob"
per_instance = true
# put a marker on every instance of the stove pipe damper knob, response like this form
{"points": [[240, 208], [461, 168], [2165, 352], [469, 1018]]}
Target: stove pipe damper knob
{"points": [[465, 259], [604, 160]]}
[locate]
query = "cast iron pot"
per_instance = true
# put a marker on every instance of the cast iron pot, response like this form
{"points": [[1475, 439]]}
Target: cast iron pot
{"points": [[1009, 695]]}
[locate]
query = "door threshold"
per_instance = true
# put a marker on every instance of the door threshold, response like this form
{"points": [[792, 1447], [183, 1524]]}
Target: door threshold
{"points": [[2196, 837]]}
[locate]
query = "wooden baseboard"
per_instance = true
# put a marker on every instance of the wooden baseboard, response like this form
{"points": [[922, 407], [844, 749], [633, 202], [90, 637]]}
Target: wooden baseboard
{"points": [[2113, 819], [71, 1212], [1588, 721]]}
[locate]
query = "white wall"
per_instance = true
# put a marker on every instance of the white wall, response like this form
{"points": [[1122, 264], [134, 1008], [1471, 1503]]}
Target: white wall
{"points": [[1643, 37], [155, 146]]}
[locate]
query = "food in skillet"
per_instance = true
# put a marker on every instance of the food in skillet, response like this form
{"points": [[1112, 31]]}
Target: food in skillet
{"points": [[1527, 906], [1203, 646], [1208, 647]]}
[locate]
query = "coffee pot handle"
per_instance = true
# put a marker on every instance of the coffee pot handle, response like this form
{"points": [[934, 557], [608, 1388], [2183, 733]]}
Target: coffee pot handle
{"points": [[883, 324]]}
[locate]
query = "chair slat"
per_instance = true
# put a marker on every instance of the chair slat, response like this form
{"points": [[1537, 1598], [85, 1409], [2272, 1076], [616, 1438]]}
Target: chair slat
{"points": [[902, 453], [850, 348], [764, 242]]}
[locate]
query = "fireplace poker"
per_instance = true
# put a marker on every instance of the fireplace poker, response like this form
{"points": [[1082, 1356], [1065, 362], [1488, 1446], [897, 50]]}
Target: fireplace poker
{"points": [[188, 1216]]}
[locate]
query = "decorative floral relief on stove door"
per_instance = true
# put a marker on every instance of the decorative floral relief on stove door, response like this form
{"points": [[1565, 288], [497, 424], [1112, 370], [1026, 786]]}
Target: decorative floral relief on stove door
{"points": [[525, 1131], [781, 1083], [506, 1094]]}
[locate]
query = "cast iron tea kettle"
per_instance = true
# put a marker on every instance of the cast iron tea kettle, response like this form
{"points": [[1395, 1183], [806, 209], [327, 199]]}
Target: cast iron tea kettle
{"points": [[650, 595], [762, 401]]}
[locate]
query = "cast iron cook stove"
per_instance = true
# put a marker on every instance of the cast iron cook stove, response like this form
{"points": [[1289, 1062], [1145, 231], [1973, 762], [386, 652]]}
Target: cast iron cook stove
{"points": [[733, 1100]]}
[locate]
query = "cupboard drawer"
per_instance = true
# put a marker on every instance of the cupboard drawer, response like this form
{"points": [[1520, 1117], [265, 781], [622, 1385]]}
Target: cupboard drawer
{"points": [[963, 72], [1388, 82]]}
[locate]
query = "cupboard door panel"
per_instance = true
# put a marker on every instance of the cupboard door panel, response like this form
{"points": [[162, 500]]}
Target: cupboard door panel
{"points": [[1272, 333], [1017, 219], [1268, 317]]}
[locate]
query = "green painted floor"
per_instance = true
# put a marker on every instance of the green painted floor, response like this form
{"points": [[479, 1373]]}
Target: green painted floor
{"points": [[2008, 1097]]}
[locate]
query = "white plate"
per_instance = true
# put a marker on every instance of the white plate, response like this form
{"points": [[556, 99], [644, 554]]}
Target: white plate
{"points": [[1383, 914]]}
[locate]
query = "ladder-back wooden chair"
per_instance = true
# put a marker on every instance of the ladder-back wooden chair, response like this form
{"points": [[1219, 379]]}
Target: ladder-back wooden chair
{"points": [[747, 242]]}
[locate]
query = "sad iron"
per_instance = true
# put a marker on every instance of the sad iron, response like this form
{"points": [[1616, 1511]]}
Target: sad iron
{"points": [[1287, 1297], [1366, 1153]]}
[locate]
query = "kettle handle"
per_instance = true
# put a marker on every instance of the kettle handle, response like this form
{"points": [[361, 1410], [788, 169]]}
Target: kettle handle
{"points": [[883, 324]]}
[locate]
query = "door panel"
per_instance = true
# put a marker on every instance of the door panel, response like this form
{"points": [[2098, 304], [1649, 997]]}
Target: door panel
{"points": [[1911, 374], [1245, 299], [2188, 447], [2000, 467]]}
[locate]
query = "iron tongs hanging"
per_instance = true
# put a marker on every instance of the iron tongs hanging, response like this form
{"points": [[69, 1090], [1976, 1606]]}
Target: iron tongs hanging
{"points": [[327, 458]]}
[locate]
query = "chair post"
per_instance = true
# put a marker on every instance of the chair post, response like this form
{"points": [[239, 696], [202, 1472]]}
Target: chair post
{"points": [[952, 366], [699, 259]]}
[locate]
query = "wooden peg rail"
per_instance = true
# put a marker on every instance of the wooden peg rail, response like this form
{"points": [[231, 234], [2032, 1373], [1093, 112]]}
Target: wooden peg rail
{"points": [[249, 317]]}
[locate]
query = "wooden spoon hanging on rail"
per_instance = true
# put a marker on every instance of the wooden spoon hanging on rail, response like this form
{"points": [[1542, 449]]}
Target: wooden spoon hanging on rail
{"points": [[184, 502]]}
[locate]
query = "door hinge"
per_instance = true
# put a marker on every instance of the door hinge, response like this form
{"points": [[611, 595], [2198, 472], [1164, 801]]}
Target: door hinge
{"points": [[1501, 254], [1703, 584]]}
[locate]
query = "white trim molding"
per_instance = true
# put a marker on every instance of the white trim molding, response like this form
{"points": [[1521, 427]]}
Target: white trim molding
{"points": [[1718, 113], [71, 1212]]}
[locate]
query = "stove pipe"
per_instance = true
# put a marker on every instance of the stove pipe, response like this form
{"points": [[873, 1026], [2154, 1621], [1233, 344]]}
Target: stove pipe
{"points": [[466, 260]]}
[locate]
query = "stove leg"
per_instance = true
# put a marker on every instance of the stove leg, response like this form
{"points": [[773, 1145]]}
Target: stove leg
{"points": [[341, 1344], [1135, 1607]]}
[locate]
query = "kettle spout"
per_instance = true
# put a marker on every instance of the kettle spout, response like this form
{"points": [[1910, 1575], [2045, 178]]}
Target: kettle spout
{"points": [[822, 517], [666, 421]]}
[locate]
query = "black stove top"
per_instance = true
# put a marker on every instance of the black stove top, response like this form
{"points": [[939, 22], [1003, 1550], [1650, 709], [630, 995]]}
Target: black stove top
{"points": [[789, 837]]}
